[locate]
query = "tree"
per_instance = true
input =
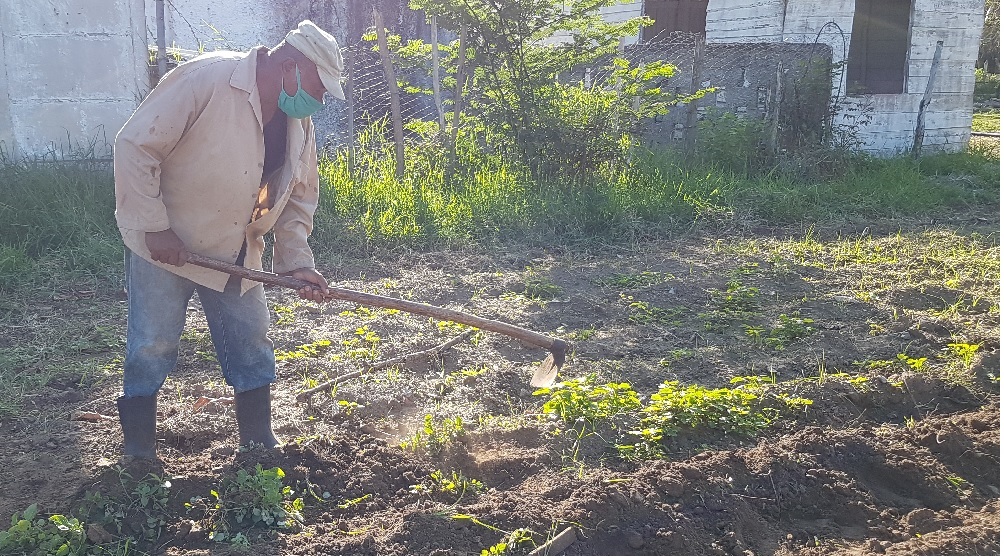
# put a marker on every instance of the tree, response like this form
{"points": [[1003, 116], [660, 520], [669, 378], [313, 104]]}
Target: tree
{"points": [[990, 42], [518, 51]]}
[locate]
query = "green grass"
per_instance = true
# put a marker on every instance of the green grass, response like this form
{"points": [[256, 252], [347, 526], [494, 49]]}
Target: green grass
{"points": [[57, 227], [57, 221], [988, 86], [988, 121], [491, 200]]}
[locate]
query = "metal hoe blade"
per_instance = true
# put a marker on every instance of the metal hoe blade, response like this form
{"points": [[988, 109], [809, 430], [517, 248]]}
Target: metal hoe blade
{"points": [[547, 372]]}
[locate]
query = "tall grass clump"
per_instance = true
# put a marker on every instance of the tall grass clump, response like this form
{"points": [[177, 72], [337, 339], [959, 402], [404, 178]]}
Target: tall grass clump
{"points": [[57, 222], [482, 196]]}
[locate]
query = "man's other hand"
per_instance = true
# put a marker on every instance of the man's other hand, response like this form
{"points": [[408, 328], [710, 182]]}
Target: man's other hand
{"points": [[166, 247], [310, 275]]}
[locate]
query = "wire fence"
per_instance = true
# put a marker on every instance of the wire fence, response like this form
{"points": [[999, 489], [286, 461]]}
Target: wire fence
{"points": [[765, 82], [785, 86]]}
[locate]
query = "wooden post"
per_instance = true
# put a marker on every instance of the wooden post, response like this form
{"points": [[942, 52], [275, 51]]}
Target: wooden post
{"points": [[395, 93], [458, 98], [775, 113], [349, 90], [690, 130], [918, 135], [437, 96], [161, 41]]}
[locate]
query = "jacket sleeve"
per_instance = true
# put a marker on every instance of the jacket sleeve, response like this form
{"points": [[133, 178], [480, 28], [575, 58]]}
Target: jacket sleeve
{"points": [[296, 221], [143, 143]]}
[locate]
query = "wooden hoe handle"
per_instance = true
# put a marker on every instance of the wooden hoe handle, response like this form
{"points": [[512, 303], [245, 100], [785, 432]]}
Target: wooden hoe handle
{"points": [[556, 346]]}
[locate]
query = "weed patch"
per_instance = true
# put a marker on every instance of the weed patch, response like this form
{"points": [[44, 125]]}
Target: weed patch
{"points": [[250, 499], [742, 410], [33, 535], [582, 399], [137, 509]]}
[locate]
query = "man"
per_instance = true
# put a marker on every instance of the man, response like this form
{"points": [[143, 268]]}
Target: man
{"points": [[219, 153]]}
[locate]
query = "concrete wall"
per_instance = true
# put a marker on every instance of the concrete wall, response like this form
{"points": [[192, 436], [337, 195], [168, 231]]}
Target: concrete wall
{"points": [[233, 25], [618, 13], [73, 71], [884, 124], [744, 21]]}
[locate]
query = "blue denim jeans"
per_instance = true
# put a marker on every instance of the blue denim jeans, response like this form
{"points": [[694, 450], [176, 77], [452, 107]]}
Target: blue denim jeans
{"points": [[158, 304]]}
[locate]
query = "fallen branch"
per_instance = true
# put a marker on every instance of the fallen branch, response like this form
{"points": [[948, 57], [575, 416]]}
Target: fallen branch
{"points": [[306, 394], [556, 545]]}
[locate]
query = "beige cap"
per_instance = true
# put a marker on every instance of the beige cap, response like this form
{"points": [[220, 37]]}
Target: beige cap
{"points": [[322, 49]]}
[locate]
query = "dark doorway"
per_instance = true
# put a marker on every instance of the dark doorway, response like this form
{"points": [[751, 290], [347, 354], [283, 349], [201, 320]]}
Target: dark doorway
{"points": [[876, 63], [688, 16]]}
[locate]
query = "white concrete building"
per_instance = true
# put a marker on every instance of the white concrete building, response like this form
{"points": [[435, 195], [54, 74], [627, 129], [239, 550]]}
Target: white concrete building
{"points": [[886, 48], [71, 71]]}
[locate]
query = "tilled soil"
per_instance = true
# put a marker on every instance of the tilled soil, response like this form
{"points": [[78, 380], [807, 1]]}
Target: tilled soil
{"points": [[901, 462]]}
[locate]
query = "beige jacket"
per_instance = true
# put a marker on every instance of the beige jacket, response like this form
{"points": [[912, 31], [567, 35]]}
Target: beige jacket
{"points": [[191, 157]]}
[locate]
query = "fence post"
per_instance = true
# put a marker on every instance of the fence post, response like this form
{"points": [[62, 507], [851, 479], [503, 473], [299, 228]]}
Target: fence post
{"points": [[161, 41], [690, 130], [918, 134], [775, 112], [395, 94], [350, 103], [437, 96], [458, 99]]}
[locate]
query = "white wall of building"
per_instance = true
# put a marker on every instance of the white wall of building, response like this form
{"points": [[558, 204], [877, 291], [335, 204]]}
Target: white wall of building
{"points": [[884, 124], [745, 20], [233, 25], [72, 73]]}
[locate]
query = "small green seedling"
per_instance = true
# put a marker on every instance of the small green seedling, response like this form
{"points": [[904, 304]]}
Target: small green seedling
{"points": [[965, 353], [432, 438], [636, 280], [454, 484], [304, 351], [641, 312], [363, 344]]}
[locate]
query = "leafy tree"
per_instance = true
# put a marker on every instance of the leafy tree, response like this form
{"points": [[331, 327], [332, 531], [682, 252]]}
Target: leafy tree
{"points": [[990, 43], [517, 87]]}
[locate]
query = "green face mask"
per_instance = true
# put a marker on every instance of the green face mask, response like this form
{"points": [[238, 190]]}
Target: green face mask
{"points": [[299, 105]]}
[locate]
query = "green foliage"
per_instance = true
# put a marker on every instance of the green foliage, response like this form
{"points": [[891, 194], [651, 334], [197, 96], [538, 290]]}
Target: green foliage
{"points": [[432, 437], [965, 353], [31, 535], [538, 287], [744, 410], [582, 399], [138, 509], [249, 499], [987, 121], [988, 86], [58, 219], [636, 279], [455, 484], [363, 344], [515, 86], [304, 351], [736, 301], [726, 141], [789, 330], [641, 312]]}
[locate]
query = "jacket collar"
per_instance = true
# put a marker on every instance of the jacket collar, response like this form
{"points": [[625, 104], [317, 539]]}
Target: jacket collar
{"points": [[244, 78]]}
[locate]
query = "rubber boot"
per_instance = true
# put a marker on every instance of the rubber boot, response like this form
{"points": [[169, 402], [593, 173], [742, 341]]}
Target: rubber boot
{"points": [[138, 416], [254, 417]]}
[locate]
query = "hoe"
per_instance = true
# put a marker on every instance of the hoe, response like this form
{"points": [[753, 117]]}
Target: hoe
{"points": [[544, 375]]}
